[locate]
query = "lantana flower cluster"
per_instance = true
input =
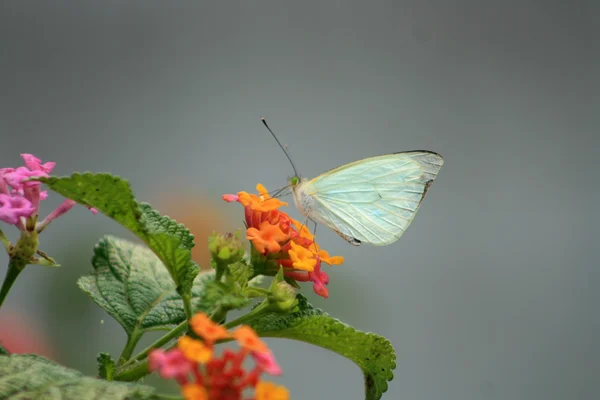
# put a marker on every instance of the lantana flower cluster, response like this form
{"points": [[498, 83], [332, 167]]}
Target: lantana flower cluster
{"points": [[204, 376], [20, 198], [284, 240]]}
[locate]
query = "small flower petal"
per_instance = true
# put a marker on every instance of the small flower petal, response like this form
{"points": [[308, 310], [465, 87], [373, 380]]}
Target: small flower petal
{"points": [[15, 178], [271, 391], [170, 364], [230, 198], [325, 257], [267, 238], [302, 258], [303, 230], [194, 350], [194, 392], [266, 362], [62, 208], [14, 207], [249, 340], [263, 202], [319, 279], [3, 183], [35, 164], [207, 328]]}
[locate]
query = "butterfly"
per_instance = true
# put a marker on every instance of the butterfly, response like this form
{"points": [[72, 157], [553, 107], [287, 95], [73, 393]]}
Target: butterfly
{"points": [[373, 200]]}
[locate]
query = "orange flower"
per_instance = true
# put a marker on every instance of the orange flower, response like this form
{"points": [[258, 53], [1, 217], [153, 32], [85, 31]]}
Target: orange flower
{"points": [[249, 340], [325, 257], [286, 241], [207, 329], [303, 230], [302, 258], [194, 392], [270, 391], [267, 238], [194, 350], [263, 202], [262, 191]]}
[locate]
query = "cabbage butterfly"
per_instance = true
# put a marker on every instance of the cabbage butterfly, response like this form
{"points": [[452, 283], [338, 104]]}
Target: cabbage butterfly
{"points": [[372, 200]]}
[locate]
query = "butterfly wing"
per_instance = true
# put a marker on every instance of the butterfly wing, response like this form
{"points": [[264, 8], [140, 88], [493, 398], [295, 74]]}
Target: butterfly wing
{"points": [[373, 200]]}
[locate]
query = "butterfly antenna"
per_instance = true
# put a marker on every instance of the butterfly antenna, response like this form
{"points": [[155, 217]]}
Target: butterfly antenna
{"points": [[280, 145], [278, 192]]}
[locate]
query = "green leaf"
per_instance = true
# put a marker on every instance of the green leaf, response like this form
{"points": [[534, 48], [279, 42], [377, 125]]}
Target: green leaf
{"points": [[106, 366], [239, 273], [172, 243], [109, 194], [3, 351], [29, 377], [225, 297], [372, 353], [130, 283], [112, 196]]}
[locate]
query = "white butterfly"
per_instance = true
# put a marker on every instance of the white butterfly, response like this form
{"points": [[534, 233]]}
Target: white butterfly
{"points": [[372, 200]]}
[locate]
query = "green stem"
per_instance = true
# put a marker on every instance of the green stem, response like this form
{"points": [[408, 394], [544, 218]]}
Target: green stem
{"points": [[220, 269], [132, 341], [218, 315], [133, 374], [5, 241], [175, 332], [187, 305], [262, 308], [15, 266]]}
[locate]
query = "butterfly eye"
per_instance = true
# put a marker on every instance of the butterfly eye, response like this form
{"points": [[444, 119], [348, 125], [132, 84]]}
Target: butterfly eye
{"points": [[294, 181]]}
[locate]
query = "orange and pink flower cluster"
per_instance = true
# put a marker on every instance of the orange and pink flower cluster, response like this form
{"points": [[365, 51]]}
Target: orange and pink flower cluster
{"points": [[203, 376], [278, 237]]}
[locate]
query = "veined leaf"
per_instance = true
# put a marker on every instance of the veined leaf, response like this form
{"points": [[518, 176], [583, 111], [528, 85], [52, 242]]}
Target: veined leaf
{"points": [[112, 196], [131, 284], [372, 353], [29, 377]]}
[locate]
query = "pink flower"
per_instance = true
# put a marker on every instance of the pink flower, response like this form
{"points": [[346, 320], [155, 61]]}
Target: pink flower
{"points": [[319, 278], [14, 207], [3, 185], [13, 183], [170, 364], [266, 362], [35, 164], [230, 198], [60, 210], [15, 178]]}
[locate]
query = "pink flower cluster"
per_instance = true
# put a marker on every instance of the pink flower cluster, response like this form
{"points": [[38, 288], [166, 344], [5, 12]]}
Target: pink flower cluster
{"points": [[20, 198]]}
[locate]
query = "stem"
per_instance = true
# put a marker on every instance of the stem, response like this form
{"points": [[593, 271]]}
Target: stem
{"points": [[218, 315], [220, 269], [187, 305], [260, 309], [132, 341], [175, 332], [15, 267], [138, 371], [5, 241]]}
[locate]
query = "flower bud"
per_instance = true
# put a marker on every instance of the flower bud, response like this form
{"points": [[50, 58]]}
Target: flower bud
{"points": [[226, 248], [283, 297]]}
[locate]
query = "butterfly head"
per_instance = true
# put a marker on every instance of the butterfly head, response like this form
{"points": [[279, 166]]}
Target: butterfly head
{"points": [[294, 180]]}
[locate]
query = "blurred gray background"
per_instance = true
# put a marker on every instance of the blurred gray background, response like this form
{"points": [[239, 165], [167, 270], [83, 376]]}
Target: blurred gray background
{"points": [[493, 291]]}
